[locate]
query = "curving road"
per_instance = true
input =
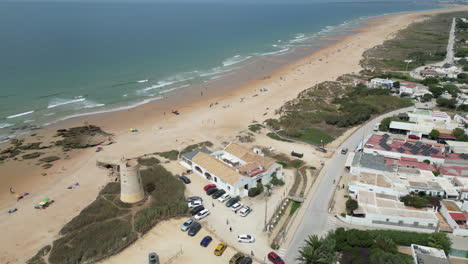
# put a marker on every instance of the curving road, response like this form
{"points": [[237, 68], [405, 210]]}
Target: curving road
{"points": [[316, 216]]}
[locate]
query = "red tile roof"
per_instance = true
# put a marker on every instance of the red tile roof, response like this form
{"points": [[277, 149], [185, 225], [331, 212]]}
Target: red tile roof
{"points": [[457, 216]]}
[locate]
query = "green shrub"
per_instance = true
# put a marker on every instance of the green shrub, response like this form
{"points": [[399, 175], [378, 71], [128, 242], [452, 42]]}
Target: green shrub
{"points": [[294, 206], [197, 146], [255, 127], [92, 243], [274, 246], [274, 136], [152, 161], [170, 155], [275, 181], [97, 211]]}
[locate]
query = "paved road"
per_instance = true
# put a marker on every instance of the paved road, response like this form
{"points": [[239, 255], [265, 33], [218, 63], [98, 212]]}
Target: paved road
{"points": [[448, 58], [451, 42], [316, 218]]}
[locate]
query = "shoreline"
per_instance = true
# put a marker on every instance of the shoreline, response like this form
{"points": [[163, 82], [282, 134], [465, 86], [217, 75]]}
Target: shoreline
{"points": [[314, 43], [160, 131]]}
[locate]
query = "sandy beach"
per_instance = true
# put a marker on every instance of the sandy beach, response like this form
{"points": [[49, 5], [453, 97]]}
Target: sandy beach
{"points": [[28, 230]]}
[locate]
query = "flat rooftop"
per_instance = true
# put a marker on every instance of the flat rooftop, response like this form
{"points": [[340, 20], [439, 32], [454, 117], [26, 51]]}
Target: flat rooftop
{"points": [[409, 147], [429, 255]]}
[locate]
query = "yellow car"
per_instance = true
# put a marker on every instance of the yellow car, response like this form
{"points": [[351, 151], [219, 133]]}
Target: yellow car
{"points": [[220, 249]]}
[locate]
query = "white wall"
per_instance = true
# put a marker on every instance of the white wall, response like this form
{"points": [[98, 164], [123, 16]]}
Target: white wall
{"points": [[368, 222]]}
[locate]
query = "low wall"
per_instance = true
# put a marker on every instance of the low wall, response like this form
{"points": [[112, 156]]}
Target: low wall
{"points": [[367, 222]]}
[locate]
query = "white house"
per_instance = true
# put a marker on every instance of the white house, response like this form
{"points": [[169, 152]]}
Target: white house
{"points": [[418, 114], [234, 168], [376, 82], [386, 211]]}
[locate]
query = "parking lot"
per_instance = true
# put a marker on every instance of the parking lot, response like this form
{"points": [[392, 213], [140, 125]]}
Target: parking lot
{"points": [[227, 224], [172, 246]]}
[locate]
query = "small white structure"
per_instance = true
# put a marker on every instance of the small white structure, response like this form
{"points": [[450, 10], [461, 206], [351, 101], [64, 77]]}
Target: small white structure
{"points": [[386, 211], [457, 147], [376, 82], [428, 255], [455, 217], [234, 169], [131, 186]]}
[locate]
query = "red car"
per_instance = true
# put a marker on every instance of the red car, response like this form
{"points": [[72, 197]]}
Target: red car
{"points": [[414, 136], [209, 186], [275, 258]]}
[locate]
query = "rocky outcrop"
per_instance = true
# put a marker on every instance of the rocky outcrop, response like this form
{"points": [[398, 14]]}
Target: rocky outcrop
{"points": [[83, 137]]}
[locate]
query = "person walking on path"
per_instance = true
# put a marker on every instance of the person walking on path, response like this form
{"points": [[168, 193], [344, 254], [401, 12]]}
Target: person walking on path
{"points": [[230, 229]]}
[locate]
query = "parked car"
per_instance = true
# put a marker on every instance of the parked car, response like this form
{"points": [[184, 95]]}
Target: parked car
{"points": [[194, 229], [196, 210], [224, 197], [209, 186], [273, 257], [193, 198], [185, 226], [344, 151], [195, 203], [211, 191], [246, 260], [218, 194], [220, 249], [236, 206], [236, 258], [231, 201], [413, 137], [245, 211], [185, 179], [244, 238], [202, 214], [206, 241], [153, 258]]}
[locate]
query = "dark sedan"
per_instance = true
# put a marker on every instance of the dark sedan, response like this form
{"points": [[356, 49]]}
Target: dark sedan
{"points": [[194, 229], [211, 191], [197, 209], [218, 194], [185, 179], [231, 201]]}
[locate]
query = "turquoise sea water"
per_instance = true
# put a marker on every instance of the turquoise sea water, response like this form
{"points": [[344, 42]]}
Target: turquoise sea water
{"points": [[63, 59]]}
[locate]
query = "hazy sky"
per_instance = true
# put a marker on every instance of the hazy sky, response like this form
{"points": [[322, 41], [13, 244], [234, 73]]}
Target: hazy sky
{"points": [[220, 1]]}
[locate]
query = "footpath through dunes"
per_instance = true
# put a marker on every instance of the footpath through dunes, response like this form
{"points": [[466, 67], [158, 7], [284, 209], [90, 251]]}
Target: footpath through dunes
{"points": [[28, 230]]}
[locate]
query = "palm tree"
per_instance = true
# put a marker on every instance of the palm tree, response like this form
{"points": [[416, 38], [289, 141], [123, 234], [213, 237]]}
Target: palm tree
{"points": [[317, 251]]}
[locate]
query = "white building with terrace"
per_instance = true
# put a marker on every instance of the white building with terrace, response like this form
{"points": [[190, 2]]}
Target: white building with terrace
{"points": [[234, 168], [386, 211]]}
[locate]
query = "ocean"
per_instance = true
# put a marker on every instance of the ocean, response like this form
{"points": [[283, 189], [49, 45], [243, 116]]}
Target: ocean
{"points": [[59, 60]]}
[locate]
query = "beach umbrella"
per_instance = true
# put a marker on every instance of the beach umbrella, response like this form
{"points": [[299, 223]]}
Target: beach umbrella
{"points": [[44, 202]]}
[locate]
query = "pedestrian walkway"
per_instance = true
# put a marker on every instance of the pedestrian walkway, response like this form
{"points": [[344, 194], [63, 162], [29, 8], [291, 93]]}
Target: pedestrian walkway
{"points": [[329, 226], [281, 252]]}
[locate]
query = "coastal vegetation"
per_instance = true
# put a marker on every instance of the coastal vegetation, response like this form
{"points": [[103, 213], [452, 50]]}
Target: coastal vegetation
{"points": [[367, 246], [326, 110], [204, 144], [170, 155], [107, 225], [422, 43]]}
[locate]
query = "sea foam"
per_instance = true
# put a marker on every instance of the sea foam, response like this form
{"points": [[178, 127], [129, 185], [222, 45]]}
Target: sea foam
{"points": [[20, 114]]}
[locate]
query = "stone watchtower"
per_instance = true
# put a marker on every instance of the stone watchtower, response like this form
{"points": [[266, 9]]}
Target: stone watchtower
{"points": [[131, 186]]}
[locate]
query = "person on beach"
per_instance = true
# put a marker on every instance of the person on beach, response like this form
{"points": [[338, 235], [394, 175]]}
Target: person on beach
{"points": [[11, 190]]}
